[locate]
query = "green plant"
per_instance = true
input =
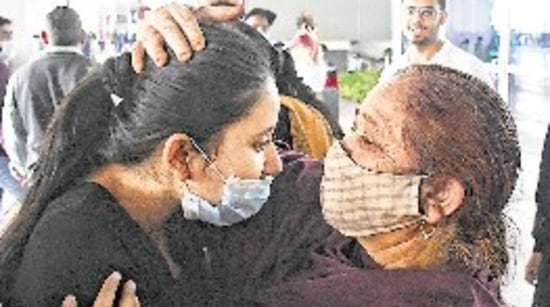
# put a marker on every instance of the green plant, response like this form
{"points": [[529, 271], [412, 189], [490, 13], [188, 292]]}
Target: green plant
{"points": [[354, 86]]}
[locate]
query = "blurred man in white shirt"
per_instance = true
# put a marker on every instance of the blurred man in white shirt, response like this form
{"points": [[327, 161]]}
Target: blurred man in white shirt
{"points": [[422, 21]]}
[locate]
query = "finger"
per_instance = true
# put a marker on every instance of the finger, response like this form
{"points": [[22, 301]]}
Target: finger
{"points": [[128, 297], [220, 13], [106, 295], [138, 57], [170, 30], [153, 43], [69, 301], [189, 24]]}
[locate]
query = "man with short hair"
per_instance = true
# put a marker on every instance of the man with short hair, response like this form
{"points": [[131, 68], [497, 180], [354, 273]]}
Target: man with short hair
{"points": [[8, 185], [37, 87], [260, 19], [6, 35], [422, 21]]}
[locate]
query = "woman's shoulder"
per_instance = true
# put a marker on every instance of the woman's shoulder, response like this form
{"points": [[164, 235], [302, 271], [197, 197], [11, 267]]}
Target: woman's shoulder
{"points": [[82, 198], [67, 248], [80, 213]]}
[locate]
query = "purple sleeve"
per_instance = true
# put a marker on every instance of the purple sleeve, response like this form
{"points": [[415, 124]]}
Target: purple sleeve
{"points": [[344, 286], [300, 225]]}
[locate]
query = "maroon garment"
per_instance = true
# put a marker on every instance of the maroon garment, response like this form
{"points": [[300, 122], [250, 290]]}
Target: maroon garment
{"points": [[225, 266], [343, 275], [287, 255]]}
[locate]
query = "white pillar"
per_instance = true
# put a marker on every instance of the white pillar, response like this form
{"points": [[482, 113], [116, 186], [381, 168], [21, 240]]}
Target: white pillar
{"points": [[503, 29], [397, 37]]}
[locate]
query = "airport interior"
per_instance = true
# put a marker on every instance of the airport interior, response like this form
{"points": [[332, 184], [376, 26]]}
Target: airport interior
{"points": [[359, 39]]}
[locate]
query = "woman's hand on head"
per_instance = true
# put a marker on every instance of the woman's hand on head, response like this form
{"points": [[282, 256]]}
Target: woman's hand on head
{"points": [[177, 25], [106, 295]]}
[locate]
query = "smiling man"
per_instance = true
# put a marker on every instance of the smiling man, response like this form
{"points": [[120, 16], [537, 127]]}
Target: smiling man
{"points": [[421, 24]]}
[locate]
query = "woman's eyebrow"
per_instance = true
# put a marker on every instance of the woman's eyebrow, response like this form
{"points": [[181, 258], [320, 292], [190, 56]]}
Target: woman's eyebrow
{"points": [[267, 131], [376, 119]]}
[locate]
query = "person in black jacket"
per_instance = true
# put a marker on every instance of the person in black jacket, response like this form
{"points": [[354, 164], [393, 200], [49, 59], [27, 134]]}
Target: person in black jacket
{"points": [[537, 270], [192, 139]]}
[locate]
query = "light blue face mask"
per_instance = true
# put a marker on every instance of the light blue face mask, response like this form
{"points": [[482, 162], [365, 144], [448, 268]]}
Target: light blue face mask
{"points": [[241, 199]]}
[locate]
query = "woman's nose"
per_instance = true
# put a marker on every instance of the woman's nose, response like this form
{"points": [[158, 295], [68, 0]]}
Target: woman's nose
{"points": [[273, 164]]}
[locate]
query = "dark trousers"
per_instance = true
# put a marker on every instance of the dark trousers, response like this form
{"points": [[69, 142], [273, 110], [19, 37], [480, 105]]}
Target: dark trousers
{"points": [[542, 292]]}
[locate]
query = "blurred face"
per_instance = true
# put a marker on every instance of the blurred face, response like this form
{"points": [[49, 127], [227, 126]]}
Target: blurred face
{"points": [[245, 150], [259, 23], [6, 33], [421, 21], [377, 140]]}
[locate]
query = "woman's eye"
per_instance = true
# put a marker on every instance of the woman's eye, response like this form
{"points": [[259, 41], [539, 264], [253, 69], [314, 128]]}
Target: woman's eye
{"points": [[354, 126], [365, 140], [260, 146]]}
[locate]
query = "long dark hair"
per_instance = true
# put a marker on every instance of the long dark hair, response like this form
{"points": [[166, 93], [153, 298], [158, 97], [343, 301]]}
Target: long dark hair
{"points": [[289, 84], [217, 87]]}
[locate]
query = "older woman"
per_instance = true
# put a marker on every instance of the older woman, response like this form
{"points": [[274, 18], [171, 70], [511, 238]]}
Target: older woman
{"points": [[416, 194]]}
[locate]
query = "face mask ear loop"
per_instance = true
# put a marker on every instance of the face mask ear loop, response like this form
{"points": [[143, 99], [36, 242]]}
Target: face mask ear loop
{"points": [[208, 160]]}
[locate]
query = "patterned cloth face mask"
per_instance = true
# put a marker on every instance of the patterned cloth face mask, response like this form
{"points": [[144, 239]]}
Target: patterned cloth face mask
{"points": [[359, 202], [241, 199]]}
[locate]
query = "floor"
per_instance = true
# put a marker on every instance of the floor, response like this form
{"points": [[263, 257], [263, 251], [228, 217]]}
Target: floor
{"points": [[530, 105]]}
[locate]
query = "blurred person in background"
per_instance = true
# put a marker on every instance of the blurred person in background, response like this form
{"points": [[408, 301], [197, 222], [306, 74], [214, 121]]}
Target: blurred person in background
{"points": [[6, 37], [305, 123], [7, 52], [307, 52], [36, 88], [261, 20], [8, 183], [423, 22]]}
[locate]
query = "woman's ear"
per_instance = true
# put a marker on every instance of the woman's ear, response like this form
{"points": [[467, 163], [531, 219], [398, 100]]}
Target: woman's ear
{"points": [[176, 155], [441, 197]]}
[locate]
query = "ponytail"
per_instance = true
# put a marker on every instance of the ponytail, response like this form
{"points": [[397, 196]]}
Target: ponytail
{"points": [[71, 151]]}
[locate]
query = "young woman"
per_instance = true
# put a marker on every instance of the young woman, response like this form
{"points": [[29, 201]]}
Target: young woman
{"points": [[196, 136]]}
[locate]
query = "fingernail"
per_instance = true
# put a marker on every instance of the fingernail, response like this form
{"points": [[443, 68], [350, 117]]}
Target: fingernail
{"points": [[183, 56], [116, 275], [200, 45], [160, 60], [130, 286], [69, 301]]}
